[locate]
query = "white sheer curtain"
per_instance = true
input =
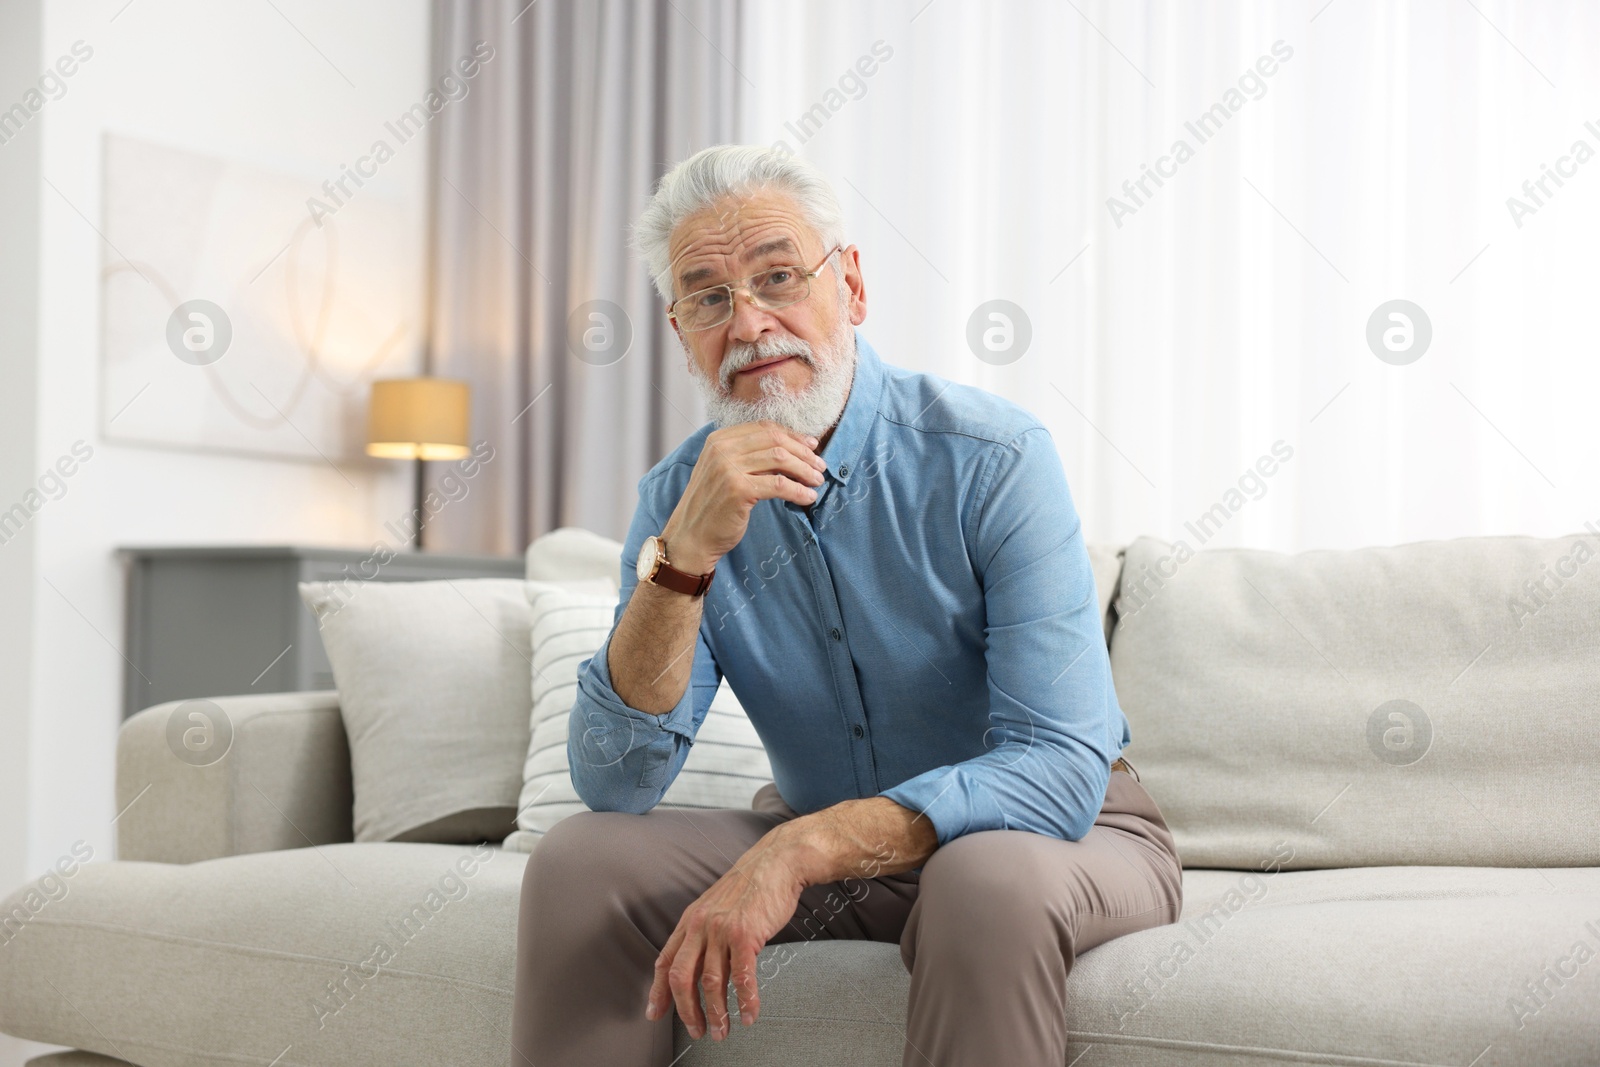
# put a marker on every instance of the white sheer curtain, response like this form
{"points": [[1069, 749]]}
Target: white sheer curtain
{"points": [[1229, 310]]}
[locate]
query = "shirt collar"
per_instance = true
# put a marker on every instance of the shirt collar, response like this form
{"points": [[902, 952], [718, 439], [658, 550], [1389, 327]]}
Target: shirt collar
{"points": [[843, 450]]}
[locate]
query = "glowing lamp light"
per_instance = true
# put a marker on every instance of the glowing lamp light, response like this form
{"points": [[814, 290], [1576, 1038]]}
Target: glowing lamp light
{"points": [[419, 418]]}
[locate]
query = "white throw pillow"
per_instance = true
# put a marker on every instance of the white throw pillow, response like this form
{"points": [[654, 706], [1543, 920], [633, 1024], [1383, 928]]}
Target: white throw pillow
{"points": [[725, 767], [433, 689], [571, 552]]}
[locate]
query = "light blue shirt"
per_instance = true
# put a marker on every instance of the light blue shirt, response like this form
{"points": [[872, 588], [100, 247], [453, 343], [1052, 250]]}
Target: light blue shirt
{"points": [[927, 630]]}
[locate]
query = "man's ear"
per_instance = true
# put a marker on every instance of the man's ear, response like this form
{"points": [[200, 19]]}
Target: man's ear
{"points": [[856, 283]]}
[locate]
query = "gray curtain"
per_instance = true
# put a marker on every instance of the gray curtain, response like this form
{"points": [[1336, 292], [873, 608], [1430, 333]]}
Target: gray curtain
{"points": [[538, 173]]}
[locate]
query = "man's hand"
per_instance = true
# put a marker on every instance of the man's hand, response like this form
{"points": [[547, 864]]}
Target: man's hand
{"points": [[738, 466], [720, 935], [722, 932]]}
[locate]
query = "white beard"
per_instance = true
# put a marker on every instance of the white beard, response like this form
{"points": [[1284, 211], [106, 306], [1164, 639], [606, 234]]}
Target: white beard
{"points": [[813, 410]]}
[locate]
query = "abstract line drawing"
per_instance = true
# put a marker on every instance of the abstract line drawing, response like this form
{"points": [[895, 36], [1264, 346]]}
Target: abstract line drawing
{"points": [[317, 309]]}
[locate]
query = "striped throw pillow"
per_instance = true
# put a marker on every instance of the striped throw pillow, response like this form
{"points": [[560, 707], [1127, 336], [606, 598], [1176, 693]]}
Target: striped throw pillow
{"points": [[725, 767]]}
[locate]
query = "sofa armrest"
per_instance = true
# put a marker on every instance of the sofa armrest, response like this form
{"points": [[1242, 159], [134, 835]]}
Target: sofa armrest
{"points": [[283, 781]]}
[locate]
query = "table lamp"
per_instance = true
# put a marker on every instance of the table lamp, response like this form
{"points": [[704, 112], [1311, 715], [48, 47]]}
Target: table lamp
{"points": [[419, 419]]}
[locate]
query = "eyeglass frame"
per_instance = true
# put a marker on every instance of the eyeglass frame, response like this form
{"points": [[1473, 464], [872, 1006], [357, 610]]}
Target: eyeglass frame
{"points": [[808, 275]]}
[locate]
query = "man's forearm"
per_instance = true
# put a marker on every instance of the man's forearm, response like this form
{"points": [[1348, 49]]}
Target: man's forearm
{"points": [[651, 655], [863, 838]]}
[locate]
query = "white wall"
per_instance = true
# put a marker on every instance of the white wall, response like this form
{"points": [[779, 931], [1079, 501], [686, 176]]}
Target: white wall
{"points": [[227, 80], [20, 40]]}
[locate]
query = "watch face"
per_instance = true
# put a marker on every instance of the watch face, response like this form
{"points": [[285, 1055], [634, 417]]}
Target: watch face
{"points": [[647, 558]]}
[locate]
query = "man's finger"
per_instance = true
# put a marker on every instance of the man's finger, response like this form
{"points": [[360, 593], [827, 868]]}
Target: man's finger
{"points": [[714, 983], [743, 963], [756, 436], [782, 460], [684, 979], [660, 993]]}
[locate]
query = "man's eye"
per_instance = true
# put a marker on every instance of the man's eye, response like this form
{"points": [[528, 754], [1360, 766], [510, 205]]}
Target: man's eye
{"points": [[781, 276], [712, 298]]}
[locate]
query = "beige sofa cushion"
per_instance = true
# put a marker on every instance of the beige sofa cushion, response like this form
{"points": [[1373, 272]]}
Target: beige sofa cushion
{"points": [[1374, 706], [260, 944], [230, 961], [1392, 966]]}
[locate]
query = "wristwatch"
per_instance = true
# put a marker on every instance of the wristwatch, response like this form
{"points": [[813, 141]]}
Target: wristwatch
{"points": [[654, 568]]}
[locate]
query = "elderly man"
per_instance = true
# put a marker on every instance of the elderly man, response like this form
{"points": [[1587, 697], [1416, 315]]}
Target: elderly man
{"points": [[889, 570]]}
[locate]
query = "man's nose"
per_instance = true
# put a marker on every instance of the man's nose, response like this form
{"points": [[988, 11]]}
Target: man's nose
{"points": [[749, 321]]}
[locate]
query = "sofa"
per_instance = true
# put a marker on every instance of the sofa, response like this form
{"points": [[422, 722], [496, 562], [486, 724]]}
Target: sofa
{"points": [[1380, 766]]}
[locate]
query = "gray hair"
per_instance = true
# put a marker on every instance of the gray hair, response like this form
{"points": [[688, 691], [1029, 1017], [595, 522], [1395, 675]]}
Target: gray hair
{"points": [[730, 170]]}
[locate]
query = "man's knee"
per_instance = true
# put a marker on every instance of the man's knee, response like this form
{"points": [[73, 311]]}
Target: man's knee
{"points": [[983, 898], [992, 870], [1000, 885], [575, 836], [584, 849]]}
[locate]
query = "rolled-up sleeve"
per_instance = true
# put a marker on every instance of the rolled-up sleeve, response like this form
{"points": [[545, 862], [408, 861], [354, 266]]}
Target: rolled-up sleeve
{"points": [[621, 758], [1054, 722]]}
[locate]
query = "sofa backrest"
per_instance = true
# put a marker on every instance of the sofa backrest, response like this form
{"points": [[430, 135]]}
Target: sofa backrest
{"points": [[1429, 703]]}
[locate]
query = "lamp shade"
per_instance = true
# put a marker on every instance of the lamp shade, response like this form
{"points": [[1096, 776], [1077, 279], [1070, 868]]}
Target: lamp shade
{"points": [[419, 418]]}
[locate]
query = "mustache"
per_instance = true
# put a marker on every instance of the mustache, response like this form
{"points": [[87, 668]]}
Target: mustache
{"points": [[740, 356]]}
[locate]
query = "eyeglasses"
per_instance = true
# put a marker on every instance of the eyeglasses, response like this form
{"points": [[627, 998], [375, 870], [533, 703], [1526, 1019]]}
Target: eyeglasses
{"points": [[770, 289]]}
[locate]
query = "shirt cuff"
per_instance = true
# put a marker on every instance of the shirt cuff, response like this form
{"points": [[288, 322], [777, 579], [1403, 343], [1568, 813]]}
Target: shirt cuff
{"points": [[594, 682], [950, 798]]}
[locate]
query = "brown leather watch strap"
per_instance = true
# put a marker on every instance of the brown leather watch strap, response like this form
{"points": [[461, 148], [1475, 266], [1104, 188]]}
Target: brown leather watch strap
{"points": [[669, 577]]}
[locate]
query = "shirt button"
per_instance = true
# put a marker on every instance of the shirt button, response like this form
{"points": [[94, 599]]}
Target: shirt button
{"points": [[834, 633], [844, 471], [858, 731]]}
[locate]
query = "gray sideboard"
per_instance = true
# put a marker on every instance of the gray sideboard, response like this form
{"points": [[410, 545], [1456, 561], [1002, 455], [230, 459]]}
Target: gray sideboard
{"points": [[220, 621]]}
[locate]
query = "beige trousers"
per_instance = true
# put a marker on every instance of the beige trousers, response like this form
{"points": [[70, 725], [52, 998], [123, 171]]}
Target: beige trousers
{"points": [[988, 929]]}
